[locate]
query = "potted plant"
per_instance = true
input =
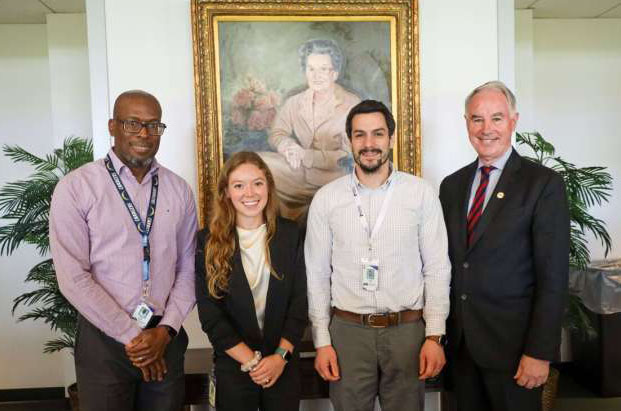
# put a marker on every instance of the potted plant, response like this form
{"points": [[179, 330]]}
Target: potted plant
{"points": [[25, 205], [586, 187]]}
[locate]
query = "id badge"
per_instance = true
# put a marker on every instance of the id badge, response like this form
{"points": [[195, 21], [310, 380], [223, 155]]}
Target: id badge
{"points": [[370, 270], [142, 314]]}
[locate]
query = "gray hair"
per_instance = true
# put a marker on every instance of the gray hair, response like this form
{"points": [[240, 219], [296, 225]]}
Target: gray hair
{"points": [[494, 85], [321, 46]]}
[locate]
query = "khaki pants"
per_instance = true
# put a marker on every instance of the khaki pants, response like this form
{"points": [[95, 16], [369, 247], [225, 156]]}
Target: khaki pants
{"points": [[377, 362]]}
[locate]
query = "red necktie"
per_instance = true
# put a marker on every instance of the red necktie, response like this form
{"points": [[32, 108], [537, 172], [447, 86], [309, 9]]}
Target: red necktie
{"points": [[477, 204]]}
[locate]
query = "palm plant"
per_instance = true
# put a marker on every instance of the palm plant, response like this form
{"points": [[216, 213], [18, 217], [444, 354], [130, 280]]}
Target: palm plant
{"points": [[586, 187], [25, 205]]}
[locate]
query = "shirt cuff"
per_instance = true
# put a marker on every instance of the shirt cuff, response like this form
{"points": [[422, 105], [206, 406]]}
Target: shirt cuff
{"points": [[130, 334], [435, 325], [171, 320], [321, 337]]}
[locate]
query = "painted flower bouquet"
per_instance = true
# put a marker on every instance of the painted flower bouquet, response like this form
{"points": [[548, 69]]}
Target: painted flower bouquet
{"points": [[252, 111]]}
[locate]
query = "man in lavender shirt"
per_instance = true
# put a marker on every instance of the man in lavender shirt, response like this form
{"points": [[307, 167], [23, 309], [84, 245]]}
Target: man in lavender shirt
{"points": [[129, 275]]}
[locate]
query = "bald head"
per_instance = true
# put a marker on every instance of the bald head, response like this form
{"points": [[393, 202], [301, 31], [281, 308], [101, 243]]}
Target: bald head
{"points": [[132, 96]]}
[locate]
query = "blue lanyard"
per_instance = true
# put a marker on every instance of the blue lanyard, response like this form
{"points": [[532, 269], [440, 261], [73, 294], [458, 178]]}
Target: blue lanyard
{"points": [[144, 229]]}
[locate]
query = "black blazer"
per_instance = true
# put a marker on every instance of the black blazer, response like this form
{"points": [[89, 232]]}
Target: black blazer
{"points": [[509, 288], [232, 319]]}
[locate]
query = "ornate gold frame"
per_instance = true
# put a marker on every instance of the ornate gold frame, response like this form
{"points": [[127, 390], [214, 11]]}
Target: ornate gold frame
{"points": [[405, 73]]}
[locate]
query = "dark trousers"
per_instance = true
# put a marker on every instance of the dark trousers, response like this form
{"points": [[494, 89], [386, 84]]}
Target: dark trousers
{"points": [[107, 381], [482, 389], [235, 390]]}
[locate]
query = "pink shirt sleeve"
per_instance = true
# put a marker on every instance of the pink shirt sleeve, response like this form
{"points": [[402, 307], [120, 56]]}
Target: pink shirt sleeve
{"points": [[69, 242], [183, 296]]}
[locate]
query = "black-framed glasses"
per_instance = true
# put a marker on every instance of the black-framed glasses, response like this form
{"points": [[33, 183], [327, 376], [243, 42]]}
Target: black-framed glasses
{"points": [[154, 128]]}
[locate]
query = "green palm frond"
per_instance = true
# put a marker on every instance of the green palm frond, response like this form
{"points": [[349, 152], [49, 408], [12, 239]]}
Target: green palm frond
{"points": [[586, 187], [25, 207], [65, 341]]}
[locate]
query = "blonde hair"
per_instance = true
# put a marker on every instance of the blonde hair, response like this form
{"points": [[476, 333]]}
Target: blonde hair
{"points": [[220, 246]]}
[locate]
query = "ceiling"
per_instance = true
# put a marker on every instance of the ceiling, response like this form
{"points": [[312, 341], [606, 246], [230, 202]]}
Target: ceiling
{"points": [[572, 9], [34, 11]]}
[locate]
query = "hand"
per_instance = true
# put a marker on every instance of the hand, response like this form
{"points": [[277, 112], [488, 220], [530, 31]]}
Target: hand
{"points": [[269, 369], [431, 360], [531, 372], [294, 155], [154, 371], [148, 346], [327, 364]]}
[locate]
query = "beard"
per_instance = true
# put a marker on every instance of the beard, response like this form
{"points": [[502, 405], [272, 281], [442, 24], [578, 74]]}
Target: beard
{"points": [[133, 162], [138, 163], [372, 168]]}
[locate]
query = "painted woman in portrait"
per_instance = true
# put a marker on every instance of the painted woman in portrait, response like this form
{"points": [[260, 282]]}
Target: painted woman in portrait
{"points": [[308, 132]]}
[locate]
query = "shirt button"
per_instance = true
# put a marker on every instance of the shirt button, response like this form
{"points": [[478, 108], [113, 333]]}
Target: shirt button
{"points": [[466, 265], [464, 297]]}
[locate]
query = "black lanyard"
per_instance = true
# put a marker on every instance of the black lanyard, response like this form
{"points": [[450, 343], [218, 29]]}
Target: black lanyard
{"points": [[144, 229]]}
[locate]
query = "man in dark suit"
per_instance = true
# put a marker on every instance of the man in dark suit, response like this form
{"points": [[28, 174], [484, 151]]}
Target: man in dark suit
{"points": [[508, 228]]}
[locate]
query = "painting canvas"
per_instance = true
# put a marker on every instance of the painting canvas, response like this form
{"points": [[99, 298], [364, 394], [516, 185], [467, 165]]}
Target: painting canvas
{"points": [[280, 78]]}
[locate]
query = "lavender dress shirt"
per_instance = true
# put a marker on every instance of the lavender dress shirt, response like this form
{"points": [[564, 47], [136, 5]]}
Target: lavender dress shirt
{"points": [[97, 250]]}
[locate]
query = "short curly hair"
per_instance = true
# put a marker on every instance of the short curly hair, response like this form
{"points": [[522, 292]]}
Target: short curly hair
{"points": [[321, 46]]}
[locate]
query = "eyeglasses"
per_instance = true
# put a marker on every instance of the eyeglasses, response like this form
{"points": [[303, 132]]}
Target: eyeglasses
{"points": [[154, 128]]}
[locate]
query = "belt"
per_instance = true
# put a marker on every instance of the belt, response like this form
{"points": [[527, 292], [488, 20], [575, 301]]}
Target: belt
{"points": [[381, 320]]}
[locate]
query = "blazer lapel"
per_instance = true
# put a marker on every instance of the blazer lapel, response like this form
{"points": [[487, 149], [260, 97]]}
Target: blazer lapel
{"points": [[495, 202], [240, 288], [274, 293]]}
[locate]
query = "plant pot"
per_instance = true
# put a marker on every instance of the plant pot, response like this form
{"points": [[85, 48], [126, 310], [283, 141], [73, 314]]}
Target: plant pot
{"points": [[550, 389], [72, 390]]}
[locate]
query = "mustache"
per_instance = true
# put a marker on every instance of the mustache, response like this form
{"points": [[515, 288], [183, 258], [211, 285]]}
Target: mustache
{"points": [[370, 150], [141, 145]]}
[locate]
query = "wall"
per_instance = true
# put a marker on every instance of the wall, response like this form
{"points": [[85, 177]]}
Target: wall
{"points": [[68, 64], [44, 78], [25, 120], [576, 95]]}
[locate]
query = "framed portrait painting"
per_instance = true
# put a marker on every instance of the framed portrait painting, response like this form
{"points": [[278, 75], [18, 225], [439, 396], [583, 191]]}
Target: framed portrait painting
{"points": [[279, 78]]}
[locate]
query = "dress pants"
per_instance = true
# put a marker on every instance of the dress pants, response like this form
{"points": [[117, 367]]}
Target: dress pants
{"points": [[482, 389], [377, 362], [235, 390], [107, 381]]}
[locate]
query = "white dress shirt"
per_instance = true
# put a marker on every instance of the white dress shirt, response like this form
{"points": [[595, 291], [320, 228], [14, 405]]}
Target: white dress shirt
{"points": [[411, 246]]}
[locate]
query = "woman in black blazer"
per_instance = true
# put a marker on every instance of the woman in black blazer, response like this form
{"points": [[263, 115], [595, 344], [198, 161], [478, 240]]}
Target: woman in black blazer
{"points": [[251, 290]]}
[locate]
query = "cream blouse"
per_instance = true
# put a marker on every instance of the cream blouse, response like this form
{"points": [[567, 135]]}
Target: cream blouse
{"points": [[252, 248]]}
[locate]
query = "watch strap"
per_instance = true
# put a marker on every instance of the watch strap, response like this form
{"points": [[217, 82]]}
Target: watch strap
{"points": [[438, 339], [285, 354], [171, 331]]}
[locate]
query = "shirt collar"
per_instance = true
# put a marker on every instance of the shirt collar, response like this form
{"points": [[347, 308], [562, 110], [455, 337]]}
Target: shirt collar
{"points": [[384, 185], [119, 165], [500, 162]]}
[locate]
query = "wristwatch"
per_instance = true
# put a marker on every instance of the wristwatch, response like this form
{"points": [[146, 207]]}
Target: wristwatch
{"points": [[438, 339], [171, 331], [285, 354]]}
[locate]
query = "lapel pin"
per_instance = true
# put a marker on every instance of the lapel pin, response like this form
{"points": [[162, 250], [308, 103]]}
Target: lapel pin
{"points": [[500, 195]]}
